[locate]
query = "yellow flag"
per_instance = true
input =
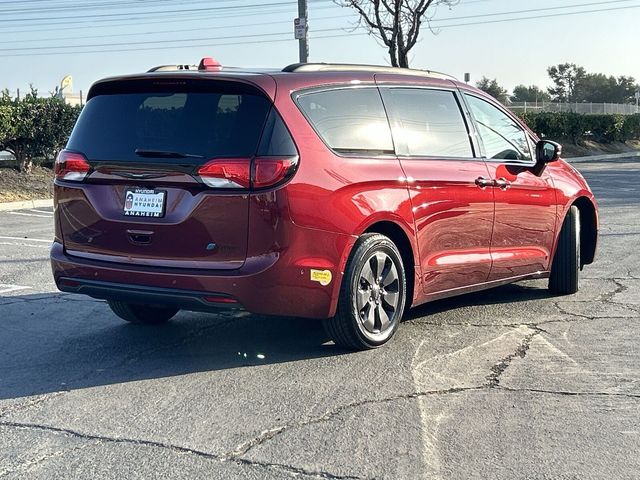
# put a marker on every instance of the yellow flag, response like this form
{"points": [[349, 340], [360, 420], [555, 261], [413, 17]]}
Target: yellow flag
{"points": [[66, 82]]}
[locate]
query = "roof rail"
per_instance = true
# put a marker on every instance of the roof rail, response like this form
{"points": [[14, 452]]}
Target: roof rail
{"points": [[345, 67], [171, 68]]}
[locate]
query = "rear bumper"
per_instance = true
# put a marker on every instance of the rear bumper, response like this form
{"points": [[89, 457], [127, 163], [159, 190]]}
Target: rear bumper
{"points": [[278, 283], [185, 299]]}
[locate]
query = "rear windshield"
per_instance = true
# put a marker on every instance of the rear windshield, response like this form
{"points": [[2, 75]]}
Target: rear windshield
{"points": [[195, 124]]}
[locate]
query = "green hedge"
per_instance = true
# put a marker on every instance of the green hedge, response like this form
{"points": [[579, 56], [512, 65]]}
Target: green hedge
{"points": [[574, 126], [34, 127]]}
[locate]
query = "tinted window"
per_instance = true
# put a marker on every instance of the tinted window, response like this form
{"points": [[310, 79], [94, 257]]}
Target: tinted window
{"points": [[350, 120], [276, 139], [502, 137], [207, 124], [428, 122]]}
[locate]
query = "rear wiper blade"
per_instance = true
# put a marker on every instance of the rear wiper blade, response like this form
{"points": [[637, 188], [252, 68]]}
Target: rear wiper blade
{"points": [[165, 154]]}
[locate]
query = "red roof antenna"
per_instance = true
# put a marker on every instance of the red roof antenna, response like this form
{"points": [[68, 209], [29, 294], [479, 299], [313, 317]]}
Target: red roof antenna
{"points": [[210, 64]]}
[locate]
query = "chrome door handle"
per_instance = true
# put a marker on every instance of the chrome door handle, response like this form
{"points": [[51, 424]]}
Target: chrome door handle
{"points": [[503, 183], [484, 182]]}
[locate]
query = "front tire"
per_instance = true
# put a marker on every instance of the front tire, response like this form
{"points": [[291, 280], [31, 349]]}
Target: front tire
{"points": [[142, 314], [565, 269], [372, 296]]}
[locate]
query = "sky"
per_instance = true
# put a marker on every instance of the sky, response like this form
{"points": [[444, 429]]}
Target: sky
{"points": [[514, 41]]}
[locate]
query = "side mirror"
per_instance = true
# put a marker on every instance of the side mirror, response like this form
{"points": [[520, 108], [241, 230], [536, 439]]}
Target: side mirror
{"points": [[547, 151]]}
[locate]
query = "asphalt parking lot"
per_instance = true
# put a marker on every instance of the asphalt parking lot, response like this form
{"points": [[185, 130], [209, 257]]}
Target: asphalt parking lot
{"points": [[507, 383]]}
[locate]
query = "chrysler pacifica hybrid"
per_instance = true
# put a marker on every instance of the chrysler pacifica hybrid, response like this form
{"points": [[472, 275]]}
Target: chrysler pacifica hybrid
{"points": [[347, 193]]}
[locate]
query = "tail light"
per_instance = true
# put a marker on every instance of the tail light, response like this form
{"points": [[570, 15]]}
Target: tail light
{"points": [[71, 166], [269, 171], [237, 172], [226, 173]]}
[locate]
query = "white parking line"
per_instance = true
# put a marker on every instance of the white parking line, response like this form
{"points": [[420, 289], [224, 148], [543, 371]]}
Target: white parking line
{"points": [[30, 214], [42, 211], [11, 288], [22, 239], [22, 244]]}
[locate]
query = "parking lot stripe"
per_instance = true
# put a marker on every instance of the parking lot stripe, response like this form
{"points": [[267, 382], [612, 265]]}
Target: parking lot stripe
{"points": [[42, 211], [2, 237], [11, 288], [30, 214], [22, 244]]}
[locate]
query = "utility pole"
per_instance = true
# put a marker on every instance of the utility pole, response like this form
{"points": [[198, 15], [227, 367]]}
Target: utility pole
{"points": [[302, 31]]}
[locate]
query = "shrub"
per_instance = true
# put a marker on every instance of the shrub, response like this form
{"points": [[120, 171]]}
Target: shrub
{"points": [[631, 127], [34, 127], [574, 126]]}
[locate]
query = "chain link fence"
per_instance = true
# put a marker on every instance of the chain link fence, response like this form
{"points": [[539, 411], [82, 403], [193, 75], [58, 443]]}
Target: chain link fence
{"points": [[583, 108]]}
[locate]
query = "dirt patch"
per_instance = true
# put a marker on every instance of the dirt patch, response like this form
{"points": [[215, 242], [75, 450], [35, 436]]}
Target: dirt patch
{"points": [[16, 186]]}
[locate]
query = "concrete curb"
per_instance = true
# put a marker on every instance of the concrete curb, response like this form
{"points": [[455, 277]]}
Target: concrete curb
{"points": [[594, 158], [26, 204]]}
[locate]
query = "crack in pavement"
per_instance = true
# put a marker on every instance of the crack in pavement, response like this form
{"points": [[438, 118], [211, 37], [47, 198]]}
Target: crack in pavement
{"points": [[493, 379], [269, 434], [564, 311], [237, 455], [571, 394], [607, 297], [282, 468], [535, 325]]}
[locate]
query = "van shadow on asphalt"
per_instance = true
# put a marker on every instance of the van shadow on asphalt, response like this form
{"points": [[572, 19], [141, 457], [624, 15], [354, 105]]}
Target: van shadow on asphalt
{"points": [[55, 342]]}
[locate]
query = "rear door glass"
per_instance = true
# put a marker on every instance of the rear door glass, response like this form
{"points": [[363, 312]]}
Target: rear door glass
{"points": [[427, 123], [203, 125], [349, 120]]}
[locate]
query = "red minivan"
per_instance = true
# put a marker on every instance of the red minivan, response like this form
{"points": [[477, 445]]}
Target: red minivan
{"points": [[343, 192]]}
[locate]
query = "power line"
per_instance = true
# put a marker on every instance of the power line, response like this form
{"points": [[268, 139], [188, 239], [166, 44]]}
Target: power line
{"points": [[149, 42], [95, 45], [166, 47], [135, 20], [532, 10], [539, 16], [277, 10], [102, 5], [163, 12], [181, 30]]}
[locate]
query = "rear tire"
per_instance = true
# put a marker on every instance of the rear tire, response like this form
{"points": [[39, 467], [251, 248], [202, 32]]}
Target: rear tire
{"points": [[372, 295], [565, 269], [142, 314]]}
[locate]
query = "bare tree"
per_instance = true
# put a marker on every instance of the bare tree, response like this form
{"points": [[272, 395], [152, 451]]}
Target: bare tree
{"points": [[396, 23]]}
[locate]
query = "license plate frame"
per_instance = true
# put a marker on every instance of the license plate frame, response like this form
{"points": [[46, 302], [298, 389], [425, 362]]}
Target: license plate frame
{"points": [[144, 202]]}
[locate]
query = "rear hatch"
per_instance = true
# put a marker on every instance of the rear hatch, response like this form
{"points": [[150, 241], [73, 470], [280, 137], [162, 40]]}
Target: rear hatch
{"points": [[166, 174]]}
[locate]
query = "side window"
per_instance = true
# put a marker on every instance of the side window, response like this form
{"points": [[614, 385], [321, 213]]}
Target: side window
{"points": [[276, 140], [428, 122], [502, 137], [349, 120]]}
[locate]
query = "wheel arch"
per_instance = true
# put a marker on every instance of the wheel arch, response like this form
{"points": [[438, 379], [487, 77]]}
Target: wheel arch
{"points": [[588, 229], [401, 239]]}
